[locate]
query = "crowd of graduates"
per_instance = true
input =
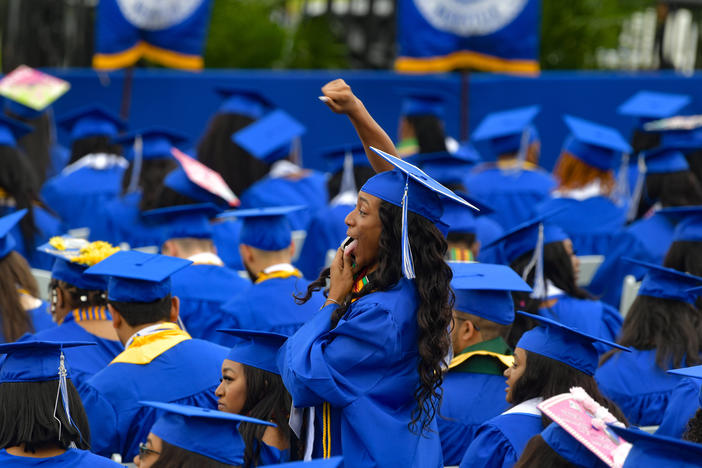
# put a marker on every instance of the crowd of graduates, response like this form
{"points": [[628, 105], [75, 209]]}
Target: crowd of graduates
{"points": [[410, 307]]}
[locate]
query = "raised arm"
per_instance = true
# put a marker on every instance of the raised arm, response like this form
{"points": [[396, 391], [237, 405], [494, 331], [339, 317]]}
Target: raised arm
{"points": [[341, 100]]}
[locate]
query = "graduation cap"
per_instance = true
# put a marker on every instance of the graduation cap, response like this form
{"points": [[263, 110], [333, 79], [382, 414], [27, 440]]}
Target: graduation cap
{"points": [[664, 161], [334, 156], [689, 222], [270, 138], [418, 101], [564, 344], [92, 120], [331, 462], [243, 101], [467, 152], [265, 228], [656, 451], [256, 348], [208, 432], [694, 372], [568, 447], [443, 166], [156, 142], [73, 256], [413, 190], [506, 130], [594, 144], [12, 130], [7, 223], [137, 276], [667, 283], [182, 221], [651, 105], [460, 218], [483, 289]]}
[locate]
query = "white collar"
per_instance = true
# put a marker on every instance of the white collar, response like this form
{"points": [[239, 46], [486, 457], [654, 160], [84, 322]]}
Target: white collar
{"points": [[526, 407], [552, 291], [348, 197], [150, 330], [593, 189], [206, 258], [283, 168], [278, 267], [99, 161]]}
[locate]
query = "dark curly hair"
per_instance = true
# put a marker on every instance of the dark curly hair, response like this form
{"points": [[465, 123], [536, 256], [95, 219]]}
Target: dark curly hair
{"points": [[693, 429], [435, 298]]}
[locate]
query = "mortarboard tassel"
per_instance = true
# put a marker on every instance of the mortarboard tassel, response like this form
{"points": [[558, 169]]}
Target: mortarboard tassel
{"points": [[62, 391], [348, 193], [537, 262], [621, 186], [407, 261], [638, 189], [136, 167]]}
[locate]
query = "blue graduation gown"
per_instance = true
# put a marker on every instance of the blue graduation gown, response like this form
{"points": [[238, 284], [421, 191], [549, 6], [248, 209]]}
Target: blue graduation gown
{"points": [[513, 194], [122, 222], [269, 305], [309, 190], [364, 371], [486, 231], [325, 232], [202, 289], [683, 404], [637, 385], [79, 195], [71, 458], [225, 236], [500, 441], [591, 223], [47, 225], [60, 155], [270, 455], [186, 373], [647, 240]]}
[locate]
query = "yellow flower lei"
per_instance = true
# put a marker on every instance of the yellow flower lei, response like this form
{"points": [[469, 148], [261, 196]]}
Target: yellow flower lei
{"points": [[88, 254]]}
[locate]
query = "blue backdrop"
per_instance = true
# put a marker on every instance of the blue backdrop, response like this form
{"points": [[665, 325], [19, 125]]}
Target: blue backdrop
{"points": [[185, 101]]}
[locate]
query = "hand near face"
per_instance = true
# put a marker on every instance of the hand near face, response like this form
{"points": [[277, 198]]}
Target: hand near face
{"points": [[341, 274], [340, 98]]}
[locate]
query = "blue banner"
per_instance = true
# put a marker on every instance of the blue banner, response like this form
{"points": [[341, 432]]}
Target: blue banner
{"points": [[488, 35], [169, 32]]}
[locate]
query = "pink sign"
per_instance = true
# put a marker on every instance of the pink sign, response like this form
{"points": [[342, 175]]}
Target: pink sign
{"points": [[205, 177], [32, 88]]}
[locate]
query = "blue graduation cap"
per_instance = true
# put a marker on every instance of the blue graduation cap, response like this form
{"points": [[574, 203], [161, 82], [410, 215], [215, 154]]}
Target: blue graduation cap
{"points": [[667, 283], [7, 223], [413, 190], [270, 138], [77, 256], [182, 221], [569, 447], [564, 344], [483, 289], [460, 218], [652, 105], [12, 130], [694, 372], [443, 166], [418, 101], [265, 228], [332, 462], [656, 451], [256, 348], [137, 276], [594, 144], [689, 222], [335, 155], [156, 142], [92, 120], [208, 432], [505, 129], [244, 101], [663, 160]]}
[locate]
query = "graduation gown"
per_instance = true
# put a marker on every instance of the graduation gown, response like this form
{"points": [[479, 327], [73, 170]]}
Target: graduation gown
{"points": [[637, 385], [269, 305], [647, 240], [486, 231], [47, 225], [360, 377], [473, 393], [165, 366], [683, 404], [71, 458], [325, 232], [202, 289], [225, 236], [122, 222], [270, 455], [512, 193], [500, 441]]}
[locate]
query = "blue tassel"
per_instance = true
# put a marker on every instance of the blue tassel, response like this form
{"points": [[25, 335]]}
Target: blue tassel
{"points": [[537, 262], [407, 261], [136, 165], [62, 391]]}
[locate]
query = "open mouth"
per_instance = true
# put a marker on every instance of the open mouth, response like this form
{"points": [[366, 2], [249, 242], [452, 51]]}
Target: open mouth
{"points": [[350, 247]]}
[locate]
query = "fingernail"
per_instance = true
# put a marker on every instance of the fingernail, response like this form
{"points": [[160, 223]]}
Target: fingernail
{"points": [[323, 98]]}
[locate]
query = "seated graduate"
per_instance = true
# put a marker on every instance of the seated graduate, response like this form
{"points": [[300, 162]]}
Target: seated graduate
{"points": [[44, 423], [474, 382], [186, 436], [536, 242], [251, 385], [586, 186], [93, 175], [663, 328], [548, 361], [275, 139], [421, 129], [350, 169], [160, 361], [685, 252], [79, 306], [266, 249], [683, 417], [654, 451], [514, 183], [19, 190], [556, 448], [20, 309]]}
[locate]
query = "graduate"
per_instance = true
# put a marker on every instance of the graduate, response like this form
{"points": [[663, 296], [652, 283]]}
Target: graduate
{"points": [[21, 310], [654, 451], [422, 123], [683, 406], [367, 367], [192, 437], [19, 190], [473, 385], [44, 423], [685, 252], [548, 361], [542, 252], [79, 306], [662, 327], [94, 173], [269, 304], [586, 185], [251, 385], [160, 361]]}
